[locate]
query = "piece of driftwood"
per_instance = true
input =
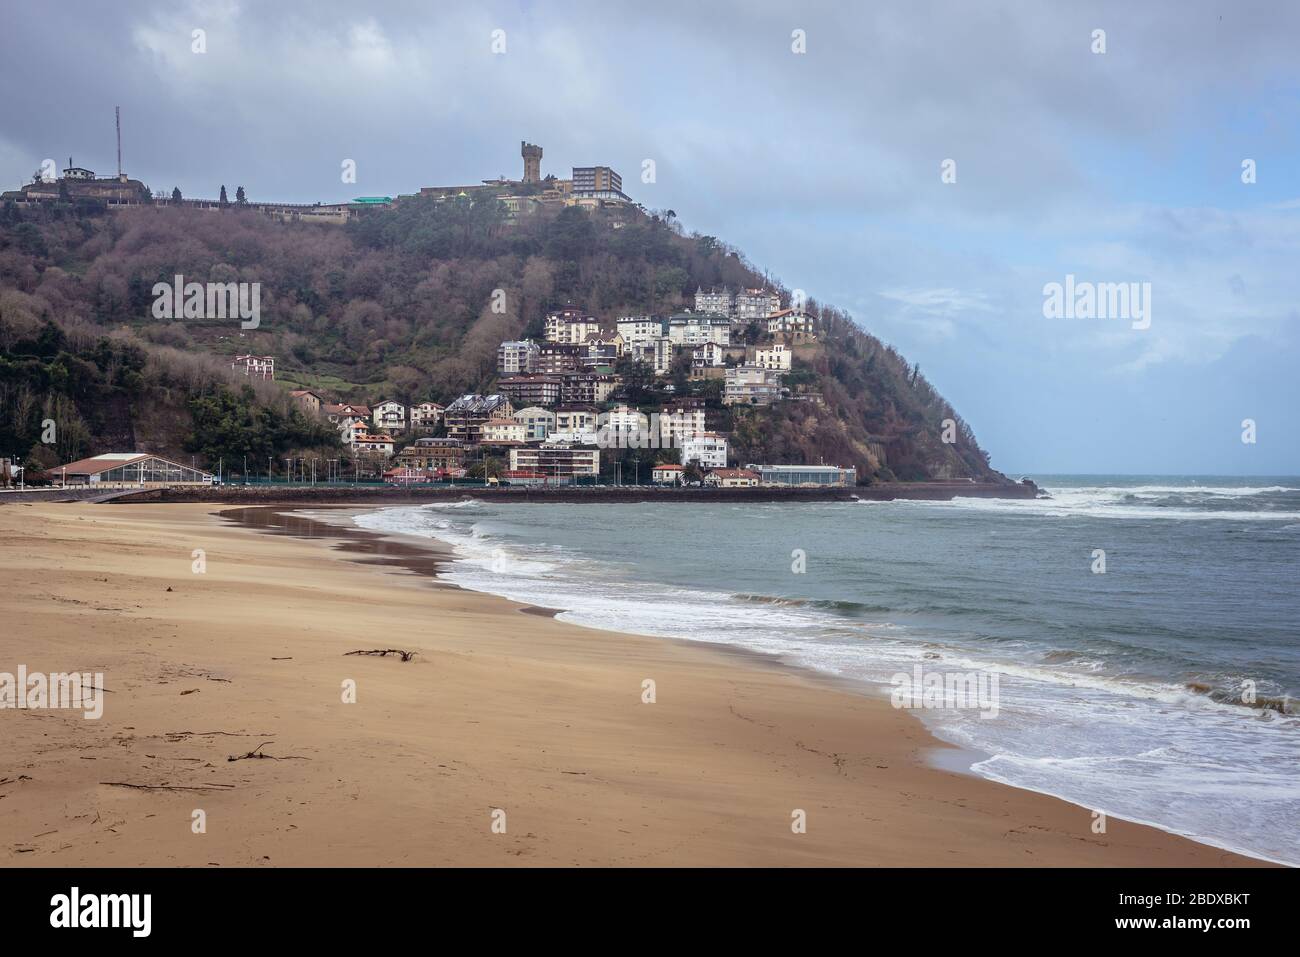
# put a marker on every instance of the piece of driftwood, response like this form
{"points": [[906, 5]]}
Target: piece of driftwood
{"points": [[382, 652], [167, 787], [257, 754]]}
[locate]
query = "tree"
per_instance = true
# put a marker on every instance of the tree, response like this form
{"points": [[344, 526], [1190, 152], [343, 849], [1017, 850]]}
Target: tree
{"points": [[176, 194], [485, 468], [691, 473], [224, 201], [240, 198]]}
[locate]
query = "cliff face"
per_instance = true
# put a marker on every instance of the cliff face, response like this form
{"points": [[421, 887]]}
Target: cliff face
{"points": [[413, 301]]}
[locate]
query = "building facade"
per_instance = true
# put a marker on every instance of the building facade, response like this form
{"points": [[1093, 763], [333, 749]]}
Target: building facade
{"points": [[756, 304], [436, 454], [255, 367], [526, 390], [708, 450], [640, 329], [517, 357], [559, 459], [693, 330], [465, 416], [538, 423], [128, 468], [567, 327], [389, 416], [751, 385], [502, 431], [425, 416], [732, 478], [777, 356], [806, 476], [717, 302]]}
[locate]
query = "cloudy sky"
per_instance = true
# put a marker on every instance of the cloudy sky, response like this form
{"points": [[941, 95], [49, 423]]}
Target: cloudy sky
{"points": [[823, 166]]}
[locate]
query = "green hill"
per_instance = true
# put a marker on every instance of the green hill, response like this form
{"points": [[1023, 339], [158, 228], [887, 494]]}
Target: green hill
{"points": [[398, 303]]}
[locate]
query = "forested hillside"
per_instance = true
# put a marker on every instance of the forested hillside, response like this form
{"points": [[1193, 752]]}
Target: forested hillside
{"points": [[397, 304]]}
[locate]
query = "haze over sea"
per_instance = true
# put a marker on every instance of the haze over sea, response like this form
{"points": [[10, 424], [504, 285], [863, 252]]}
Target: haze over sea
{"points": [[1120, 691]]}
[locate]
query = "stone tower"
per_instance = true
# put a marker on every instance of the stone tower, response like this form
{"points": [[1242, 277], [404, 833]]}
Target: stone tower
{"points": [[532, 162]]}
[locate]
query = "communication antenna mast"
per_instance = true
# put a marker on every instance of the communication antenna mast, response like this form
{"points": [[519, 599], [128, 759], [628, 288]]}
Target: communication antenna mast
{"points": [[118, 110]]}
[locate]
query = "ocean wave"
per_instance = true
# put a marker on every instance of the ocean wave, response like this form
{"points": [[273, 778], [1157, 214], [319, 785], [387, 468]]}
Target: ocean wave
{"points": [[1071, 724]]}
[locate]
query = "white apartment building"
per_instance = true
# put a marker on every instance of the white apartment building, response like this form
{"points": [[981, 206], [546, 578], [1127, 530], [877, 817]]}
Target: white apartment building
{"points": [[751, 385], [623, 418], [389, 415], [571, 329], [709, 354], [575, 419], [517, 357], [777, 357], [373, 442], [787, 320], [693, 330], [255, 367], [707, 448], [677, 422], [426, 415], [658, 354], [640, 329], [538, 423], [614, 427], [502, 430], [558, 459]]}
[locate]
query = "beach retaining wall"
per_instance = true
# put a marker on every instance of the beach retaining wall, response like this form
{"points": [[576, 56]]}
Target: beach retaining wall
{"points": [[380, 496]]}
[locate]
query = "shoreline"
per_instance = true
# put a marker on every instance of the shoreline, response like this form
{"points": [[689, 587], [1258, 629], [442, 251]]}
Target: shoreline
{"points": [[378, 496], [944, 755], [498, 709]]}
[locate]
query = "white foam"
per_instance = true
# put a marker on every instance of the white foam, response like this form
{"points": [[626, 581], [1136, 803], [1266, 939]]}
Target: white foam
{"points": [[1147, 751]]}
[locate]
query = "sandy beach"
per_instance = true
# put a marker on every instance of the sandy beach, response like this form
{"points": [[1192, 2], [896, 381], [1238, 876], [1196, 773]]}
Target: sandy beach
{"points": [[499, 710]]}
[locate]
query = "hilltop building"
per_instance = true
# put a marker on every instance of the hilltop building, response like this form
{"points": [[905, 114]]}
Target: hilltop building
{"points": [[588, 187], [532, 162], [80, 183], [255, 367]]}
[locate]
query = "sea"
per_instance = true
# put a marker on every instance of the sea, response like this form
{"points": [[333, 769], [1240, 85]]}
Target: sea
{"points": [[1144, 631]]}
